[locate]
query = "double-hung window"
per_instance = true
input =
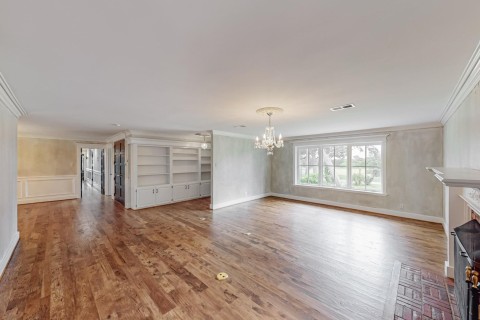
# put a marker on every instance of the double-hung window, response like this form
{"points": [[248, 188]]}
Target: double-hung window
{"points": [[343, 164]]}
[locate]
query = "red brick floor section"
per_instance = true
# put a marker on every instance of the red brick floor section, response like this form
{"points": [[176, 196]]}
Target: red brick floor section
{"points": [[423, 295]]}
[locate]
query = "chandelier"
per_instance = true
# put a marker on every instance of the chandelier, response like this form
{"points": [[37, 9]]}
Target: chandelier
{"points": [[269, 141]]}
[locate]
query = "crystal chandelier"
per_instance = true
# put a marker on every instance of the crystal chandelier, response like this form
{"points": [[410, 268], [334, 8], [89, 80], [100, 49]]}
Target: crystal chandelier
{"points": [[269, 141]]}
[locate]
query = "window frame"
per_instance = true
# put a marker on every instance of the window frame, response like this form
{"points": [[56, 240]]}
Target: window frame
{"points": [[343, 141]]}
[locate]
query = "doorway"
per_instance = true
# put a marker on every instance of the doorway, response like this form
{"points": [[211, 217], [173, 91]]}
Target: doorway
{"points": [[92, 166]]}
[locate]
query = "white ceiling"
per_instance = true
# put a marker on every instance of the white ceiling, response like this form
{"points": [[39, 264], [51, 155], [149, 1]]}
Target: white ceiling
{"points": [[186, 66]]}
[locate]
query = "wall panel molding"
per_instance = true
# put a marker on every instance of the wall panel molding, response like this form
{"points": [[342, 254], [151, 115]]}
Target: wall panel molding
{"points": [[46, 188]]}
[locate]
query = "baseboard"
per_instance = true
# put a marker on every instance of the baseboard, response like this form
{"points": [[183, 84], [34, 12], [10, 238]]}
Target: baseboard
{"points": [[46, 199], [8, 254], [237, 201], [449, 271], [387, 212]]}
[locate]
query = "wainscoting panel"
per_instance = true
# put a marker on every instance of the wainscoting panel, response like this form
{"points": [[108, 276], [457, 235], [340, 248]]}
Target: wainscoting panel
{"points": [[51, 188]]}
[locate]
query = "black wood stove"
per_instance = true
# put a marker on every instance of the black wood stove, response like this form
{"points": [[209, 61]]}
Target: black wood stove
{"points": [[467, 268]]}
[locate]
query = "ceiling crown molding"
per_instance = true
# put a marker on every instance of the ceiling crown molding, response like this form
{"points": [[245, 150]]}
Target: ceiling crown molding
{"points": [[469, 79], [8, 99]]}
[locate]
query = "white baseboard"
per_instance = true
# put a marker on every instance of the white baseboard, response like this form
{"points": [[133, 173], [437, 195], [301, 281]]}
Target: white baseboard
{"points": [[388, 212], [8, 254], [48, 188], [237, 201]]}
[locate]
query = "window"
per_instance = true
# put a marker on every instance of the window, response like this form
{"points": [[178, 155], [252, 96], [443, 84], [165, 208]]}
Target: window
{"points": [[355, 166]]}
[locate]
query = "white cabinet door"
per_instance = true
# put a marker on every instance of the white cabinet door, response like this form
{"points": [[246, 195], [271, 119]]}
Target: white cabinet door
{"points": [[205, 189], [180, 192], [194, 190], [164, 194], [146, 197]]}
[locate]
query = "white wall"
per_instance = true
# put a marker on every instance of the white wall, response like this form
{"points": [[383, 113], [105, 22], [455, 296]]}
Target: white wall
{"points": [[411, 190], [8, 185], [239, 172]]}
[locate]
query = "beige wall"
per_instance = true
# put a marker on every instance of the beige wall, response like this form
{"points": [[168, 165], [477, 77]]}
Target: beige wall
{"points": [[410, 187], [46, 157]]}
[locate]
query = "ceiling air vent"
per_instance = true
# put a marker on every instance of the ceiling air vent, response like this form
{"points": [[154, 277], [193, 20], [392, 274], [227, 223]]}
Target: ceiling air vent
{"points": [[348, 106]]}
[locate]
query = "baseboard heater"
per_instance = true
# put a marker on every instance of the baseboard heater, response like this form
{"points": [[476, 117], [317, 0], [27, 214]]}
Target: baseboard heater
{"points": [[467, 269]]}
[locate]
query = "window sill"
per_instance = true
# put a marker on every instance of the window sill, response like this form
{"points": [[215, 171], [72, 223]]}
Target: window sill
{"points": [[383, 194]]}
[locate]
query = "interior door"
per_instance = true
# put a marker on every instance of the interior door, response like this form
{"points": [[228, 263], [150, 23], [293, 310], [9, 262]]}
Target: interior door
{"points": [[102, 171], [119, 170]]}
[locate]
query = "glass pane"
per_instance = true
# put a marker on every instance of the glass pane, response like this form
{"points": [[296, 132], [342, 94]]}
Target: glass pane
{"points": [[341, 179], [340, 156], [374, 156], [328, 176], [373, 180], [358, 178], [358, 156], [313, 156], [328, 156], [313, 175], [302, 157], [303, 174]]}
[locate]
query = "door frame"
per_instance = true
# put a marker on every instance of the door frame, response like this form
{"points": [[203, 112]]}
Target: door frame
{"points": [[106, 165]]}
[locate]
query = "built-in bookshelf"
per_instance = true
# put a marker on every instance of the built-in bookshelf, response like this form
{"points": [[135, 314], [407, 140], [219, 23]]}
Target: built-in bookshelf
{"points": [[185, 164], [168, 171], [205, 164], [153, 166]]}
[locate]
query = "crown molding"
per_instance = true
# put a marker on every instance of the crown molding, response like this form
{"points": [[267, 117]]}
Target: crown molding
{"points": [[118, 136], [231, 134], [469, 79], [366, 132], [8, 99]]}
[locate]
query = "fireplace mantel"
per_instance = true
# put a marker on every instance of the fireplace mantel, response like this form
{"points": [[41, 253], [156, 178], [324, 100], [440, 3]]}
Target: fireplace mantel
{"points": [[457, 177], [457, 203]]}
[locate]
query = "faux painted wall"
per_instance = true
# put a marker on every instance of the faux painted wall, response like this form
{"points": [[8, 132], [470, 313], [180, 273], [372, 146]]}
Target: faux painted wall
{"points": [[462, 134], [8, 184], [239, 170], [410, 187], [46, 157]]}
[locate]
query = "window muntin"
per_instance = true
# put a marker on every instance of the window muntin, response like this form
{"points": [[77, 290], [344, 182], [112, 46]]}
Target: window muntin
{"points": [[356, 166]]}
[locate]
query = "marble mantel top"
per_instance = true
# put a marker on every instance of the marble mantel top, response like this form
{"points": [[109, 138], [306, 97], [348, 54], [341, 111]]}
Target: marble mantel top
{"points": [[457, 177]]}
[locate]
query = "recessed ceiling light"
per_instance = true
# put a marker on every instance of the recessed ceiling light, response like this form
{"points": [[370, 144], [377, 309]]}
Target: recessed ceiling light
{"points": [[116, 124], [347, 106]]}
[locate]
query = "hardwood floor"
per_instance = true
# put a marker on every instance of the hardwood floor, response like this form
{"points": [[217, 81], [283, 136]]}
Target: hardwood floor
{"points": [[90, 258]]}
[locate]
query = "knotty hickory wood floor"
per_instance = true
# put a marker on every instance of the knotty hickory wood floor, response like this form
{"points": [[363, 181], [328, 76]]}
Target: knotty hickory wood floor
{"points": [[90, 259]]}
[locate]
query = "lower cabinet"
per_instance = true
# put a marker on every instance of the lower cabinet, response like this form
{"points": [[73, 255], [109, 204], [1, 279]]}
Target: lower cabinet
{"points": [[152, 196], [157, 195], [186, 191], [205, 189]]}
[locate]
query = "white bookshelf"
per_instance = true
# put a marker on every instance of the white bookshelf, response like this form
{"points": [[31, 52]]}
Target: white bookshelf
{"points": [[164, 174], [153, 166]]}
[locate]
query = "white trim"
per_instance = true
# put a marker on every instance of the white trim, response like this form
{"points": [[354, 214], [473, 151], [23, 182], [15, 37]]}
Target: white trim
{"points": [[387, 212], [366, 132], [117, 137], [237, 201], [468, 80], [40, 136], [162, 143], [347, 140], [449, 271], [232, 134], [8, 99], [81, 146], [8, 253]]}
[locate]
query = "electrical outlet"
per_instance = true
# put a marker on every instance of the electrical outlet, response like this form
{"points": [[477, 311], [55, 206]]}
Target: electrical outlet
{"points": [[402, 206]]}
